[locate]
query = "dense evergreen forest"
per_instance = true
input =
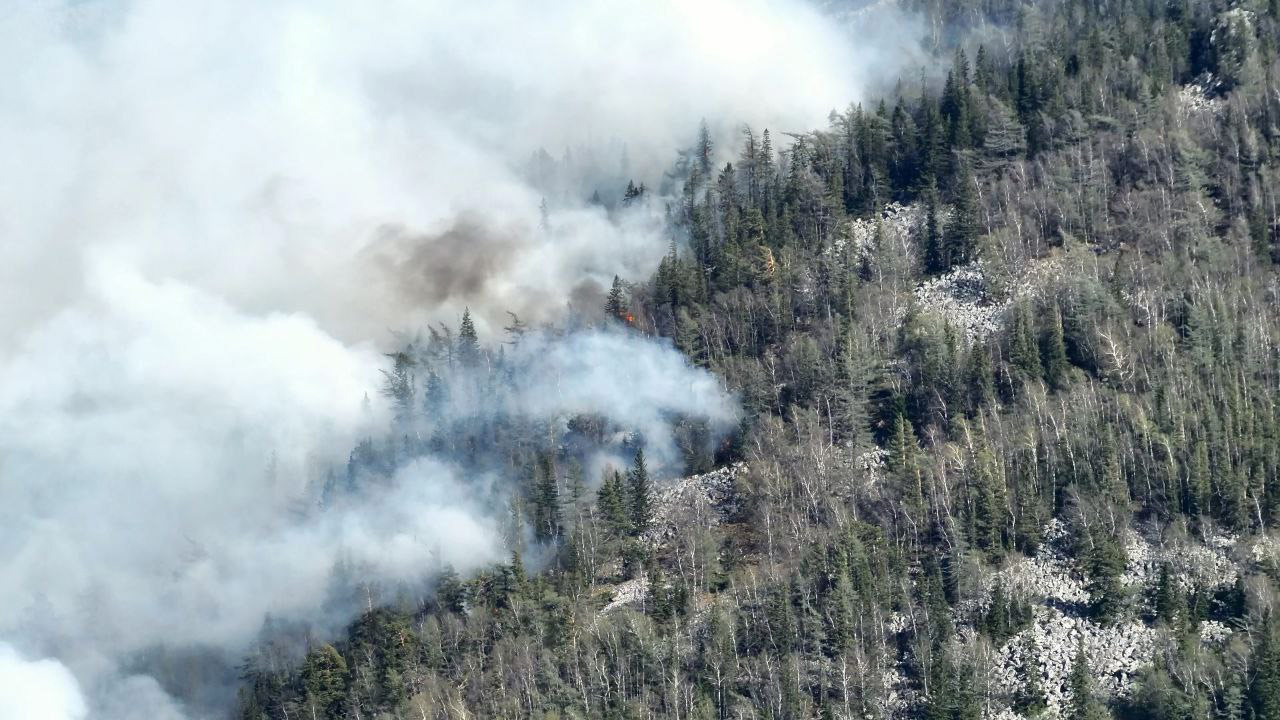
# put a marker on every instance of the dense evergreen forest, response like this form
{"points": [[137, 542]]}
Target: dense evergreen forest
{"points": [[1008, 347]]}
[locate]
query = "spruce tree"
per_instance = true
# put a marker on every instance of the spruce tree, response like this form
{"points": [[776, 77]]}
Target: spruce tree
{"points": [[1023, 352], [1170, 606], [639, 495], [1053, 354], [1106, 563], [995, 622], [611, 502], [468, 350], [934, 252], [902, 462], [546, 499], [961, 239], [1081, 704], [705, 149], [840, 611], [451, 594], [399, 384], [435, 394], [324, 678], [1030, 699], [615, 305], [989, 504], [981, 378], [1264, 691]]}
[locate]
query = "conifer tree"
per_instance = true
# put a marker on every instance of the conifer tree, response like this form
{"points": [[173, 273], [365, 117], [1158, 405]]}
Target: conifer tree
{"points": [[962, 231], [638, 491], [980, 377], [1170, 606], [989, 503], [546, 499], [768, 177], [704, 149], [324, 678], [468, 351], [615, 305], [983, 72], [1030, 699], [1106, 563], [399, 384], [956, 103], [611, 502], [1053, 354], [903, 463], [1082, 705], [451, 594], [1023, 351], [840, 611], [782, 623], [435, 394], [935, 258], [951, 689], [1264, 691]]}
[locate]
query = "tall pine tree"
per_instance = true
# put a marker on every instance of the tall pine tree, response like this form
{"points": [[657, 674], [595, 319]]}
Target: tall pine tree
{"points": [[639, 494]]}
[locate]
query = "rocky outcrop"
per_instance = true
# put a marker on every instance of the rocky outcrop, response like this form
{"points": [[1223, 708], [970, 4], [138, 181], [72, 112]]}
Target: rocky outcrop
{"points": [[705, 500], [897, 223], [1213, 632], [967, 298], [1199, 98], [1047, 578], [1193, 565], [708, 499], [961, 299], [631, 592], [1116, 654]]}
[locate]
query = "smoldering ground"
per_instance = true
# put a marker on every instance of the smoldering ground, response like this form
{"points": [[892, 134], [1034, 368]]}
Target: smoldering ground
{"points": [[196, 267]]}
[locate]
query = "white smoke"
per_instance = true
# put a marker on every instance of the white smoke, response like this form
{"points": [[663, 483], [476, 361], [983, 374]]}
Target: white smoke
{"points": [[257, 149], [613, 374], [213, 211], [41, 689]]}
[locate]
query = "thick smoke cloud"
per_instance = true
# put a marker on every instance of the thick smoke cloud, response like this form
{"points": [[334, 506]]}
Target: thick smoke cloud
{"points": [[258, 149], [213, 214], [37, 689]]}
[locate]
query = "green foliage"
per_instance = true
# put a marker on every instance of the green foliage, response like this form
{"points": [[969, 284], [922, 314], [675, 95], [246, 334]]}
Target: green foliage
{"points": [[951, 695], [324, 682], [468, 350], [1005, 616], [1082, 704], [1169, 603], [615, 305], [611, 503], [640, 501], [961, 239], [1030, 700], [451, 594], [546, 499], [1053, 354], [1105, 562], [1264, 690]]}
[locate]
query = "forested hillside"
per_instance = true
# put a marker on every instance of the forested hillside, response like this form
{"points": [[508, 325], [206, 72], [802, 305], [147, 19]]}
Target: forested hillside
{"points": [[1007, 343]]}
